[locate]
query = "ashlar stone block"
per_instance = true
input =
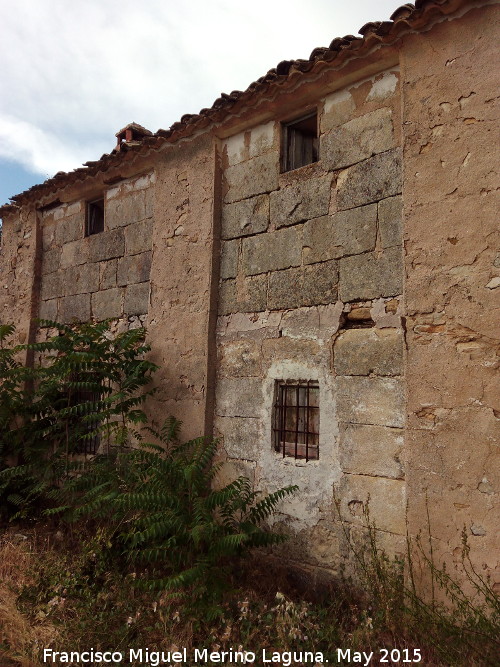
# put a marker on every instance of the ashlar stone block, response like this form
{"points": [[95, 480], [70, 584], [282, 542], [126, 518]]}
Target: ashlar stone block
{"points": [[346, 233], [74, 253], [358, 139], [75, 307], [106, 245], [139, 237], [309, 286], [306, 199], [48, 310], [252, 294], [243, 437], [51, 286], [134, 269], [125, 210], [239, 397], [240, 358], [246, 217], [370, 181], [370, 276], [272, 252], [50, 260], [229, 259], [228, 300], [390, 224], [107, 274], [252, 177], [69, 229], [372, 450], [107, 304], [362, 400], [385, 499], [369, 352], [136, 299], [80, 279]]}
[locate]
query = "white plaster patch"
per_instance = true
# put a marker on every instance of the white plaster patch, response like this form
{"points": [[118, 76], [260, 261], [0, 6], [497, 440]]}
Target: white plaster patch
{"points": [[336, 98], [75, 207], [314, 478], [262, 139], [235, 147], [113, 192], [494, 283], [383, 88], [59, 212]]}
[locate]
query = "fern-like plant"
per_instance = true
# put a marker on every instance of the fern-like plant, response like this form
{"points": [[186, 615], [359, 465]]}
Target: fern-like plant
{"points": [[86, 384], [168, 518]]}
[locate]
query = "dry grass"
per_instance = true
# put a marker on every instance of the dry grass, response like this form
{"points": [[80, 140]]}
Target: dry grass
{"points": [[20, 638]]}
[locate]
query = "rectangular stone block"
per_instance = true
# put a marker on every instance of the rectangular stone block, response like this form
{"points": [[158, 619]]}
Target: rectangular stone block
{"points": [[136, 299], [51, 286], [378, 401], [76, 307], [107, 274], [106, 245], [346, 233], [107, 304], [134, 269], [390, 221], [358, 139], [252, 294], [309, 286], [139, 237], [371, 450], [229, 259], [246, 217], [369, 352], [70, 229], [50, 260], [338, 109], [320, 284], [306, 199], [370, 181], [125, 210], [240, 358], [48, 310], [252, 177], [242, 436], [385, 499], [228, 300], [80, 279], [48, 235], [369, 276], [74, 253], [239, 397], [272, 251]]}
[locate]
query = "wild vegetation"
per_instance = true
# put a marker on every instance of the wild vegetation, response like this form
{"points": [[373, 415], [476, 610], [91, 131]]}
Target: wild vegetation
{"points": [[141, 546]]}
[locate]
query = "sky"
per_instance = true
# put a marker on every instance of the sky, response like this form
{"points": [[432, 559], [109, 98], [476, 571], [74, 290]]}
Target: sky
{"points": [[74, 73]]}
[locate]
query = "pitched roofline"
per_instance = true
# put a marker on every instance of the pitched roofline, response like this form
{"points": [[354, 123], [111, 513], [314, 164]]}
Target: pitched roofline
{"points": [[288, 73]]}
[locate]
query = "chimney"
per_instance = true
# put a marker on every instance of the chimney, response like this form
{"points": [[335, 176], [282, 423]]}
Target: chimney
{"points": [[133, 133]]}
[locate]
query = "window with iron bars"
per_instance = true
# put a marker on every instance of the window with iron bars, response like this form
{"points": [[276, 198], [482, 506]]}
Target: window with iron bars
{"points": [[88, 437], [296, 419]]}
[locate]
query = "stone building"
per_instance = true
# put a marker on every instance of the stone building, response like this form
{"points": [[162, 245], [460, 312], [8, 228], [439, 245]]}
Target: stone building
{"points": [[315, 261]]}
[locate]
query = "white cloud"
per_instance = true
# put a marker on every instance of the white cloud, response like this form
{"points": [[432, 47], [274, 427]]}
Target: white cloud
{"points": [[74, 73]]}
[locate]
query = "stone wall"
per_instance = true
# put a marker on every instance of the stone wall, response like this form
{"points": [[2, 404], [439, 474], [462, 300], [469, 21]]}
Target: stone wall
{"points": [[311, 284], [105, 275], [452, 241], [19, 259]]}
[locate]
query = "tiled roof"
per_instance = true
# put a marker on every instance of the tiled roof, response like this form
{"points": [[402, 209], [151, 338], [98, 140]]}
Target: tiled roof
{"points": [[341, 49]]}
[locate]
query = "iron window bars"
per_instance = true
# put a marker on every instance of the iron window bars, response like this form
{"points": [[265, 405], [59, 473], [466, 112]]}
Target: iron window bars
{"points": [[296, 419]]}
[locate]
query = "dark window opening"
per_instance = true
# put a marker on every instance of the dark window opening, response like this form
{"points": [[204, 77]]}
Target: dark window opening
{"points": [[300, 142], [296, 419], [95, 217]]}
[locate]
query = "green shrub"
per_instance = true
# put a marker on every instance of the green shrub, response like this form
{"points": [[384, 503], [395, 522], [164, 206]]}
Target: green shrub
{"points": [[164, 514], [85, 383]]}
